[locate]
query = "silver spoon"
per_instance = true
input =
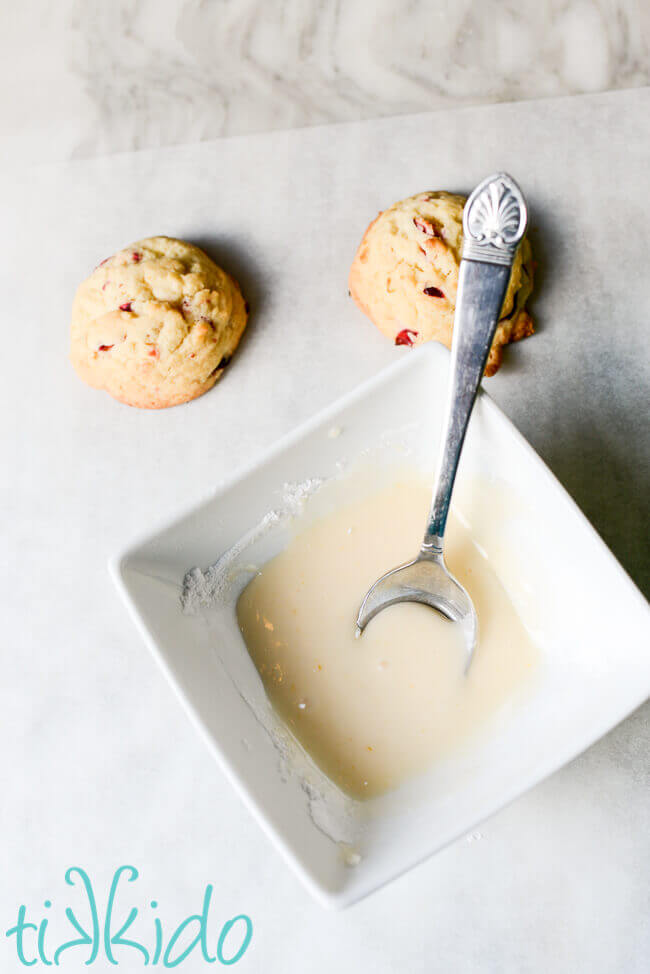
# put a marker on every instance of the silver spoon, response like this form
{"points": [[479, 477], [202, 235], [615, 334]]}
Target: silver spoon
{"points": [[494, 222]]}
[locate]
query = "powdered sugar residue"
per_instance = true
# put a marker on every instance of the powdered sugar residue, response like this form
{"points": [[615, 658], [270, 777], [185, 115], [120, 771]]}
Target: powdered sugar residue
{"points": [[209, 587]]}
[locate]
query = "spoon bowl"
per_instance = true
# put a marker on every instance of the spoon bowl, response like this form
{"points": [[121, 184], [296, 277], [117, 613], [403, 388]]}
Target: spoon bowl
{"points": [[494, 223], [426, 580]]}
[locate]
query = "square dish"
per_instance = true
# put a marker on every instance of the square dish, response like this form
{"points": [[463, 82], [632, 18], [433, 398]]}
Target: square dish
{"points": [[594, 668]]}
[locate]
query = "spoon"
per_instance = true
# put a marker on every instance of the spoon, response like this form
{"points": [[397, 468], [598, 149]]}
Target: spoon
{"points": [[494, 222]]}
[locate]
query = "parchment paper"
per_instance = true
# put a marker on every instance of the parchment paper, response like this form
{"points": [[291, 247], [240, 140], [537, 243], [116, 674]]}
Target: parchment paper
{"points": [[100, 766]]}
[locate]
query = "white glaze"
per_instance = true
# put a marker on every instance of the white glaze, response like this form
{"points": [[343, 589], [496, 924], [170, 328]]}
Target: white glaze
{"points": [[374, 711]]}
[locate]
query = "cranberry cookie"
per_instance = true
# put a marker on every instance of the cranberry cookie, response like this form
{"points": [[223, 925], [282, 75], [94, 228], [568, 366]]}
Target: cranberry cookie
{"points": [[156, 324], [405, 275]]}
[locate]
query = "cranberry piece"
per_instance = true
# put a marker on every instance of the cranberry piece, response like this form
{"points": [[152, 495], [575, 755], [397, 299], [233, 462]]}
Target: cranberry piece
{"points": [[426, 226], [223, 363], [126, 306], [434, 292], [404, 336], [104, 348], [136, 257], [247, 307]]}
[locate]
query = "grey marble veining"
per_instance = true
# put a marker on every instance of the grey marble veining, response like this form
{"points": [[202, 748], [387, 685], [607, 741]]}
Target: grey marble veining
{"points": [[84, 77]]}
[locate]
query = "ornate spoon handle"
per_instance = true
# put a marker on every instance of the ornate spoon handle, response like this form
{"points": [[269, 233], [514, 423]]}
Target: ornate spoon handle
{"points": [[494, 222]]}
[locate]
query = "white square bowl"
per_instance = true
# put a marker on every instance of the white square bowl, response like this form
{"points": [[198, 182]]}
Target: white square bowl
{"points": [[590, 621]]}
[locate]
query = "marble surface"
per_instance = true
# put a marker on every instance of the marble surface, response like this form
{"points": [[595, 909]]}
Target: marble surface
{"points": [[83, 77], [100, 766]]}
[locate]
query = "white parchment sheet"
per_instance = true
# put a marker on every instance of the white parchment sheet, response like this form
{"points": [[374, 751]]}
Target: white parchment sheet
{"points": [[99, 765]]}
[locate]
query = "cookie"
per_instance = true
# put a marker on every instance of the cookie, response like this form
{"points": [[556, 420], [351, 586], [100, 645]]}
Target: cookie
{"points": [[156, 324], [405, 275]]}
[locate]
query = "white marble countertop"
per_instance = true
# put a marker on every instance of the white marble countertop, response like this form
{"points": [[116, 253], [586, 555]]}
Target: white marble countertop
{"points": [[84, 77], [101, 768]]}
